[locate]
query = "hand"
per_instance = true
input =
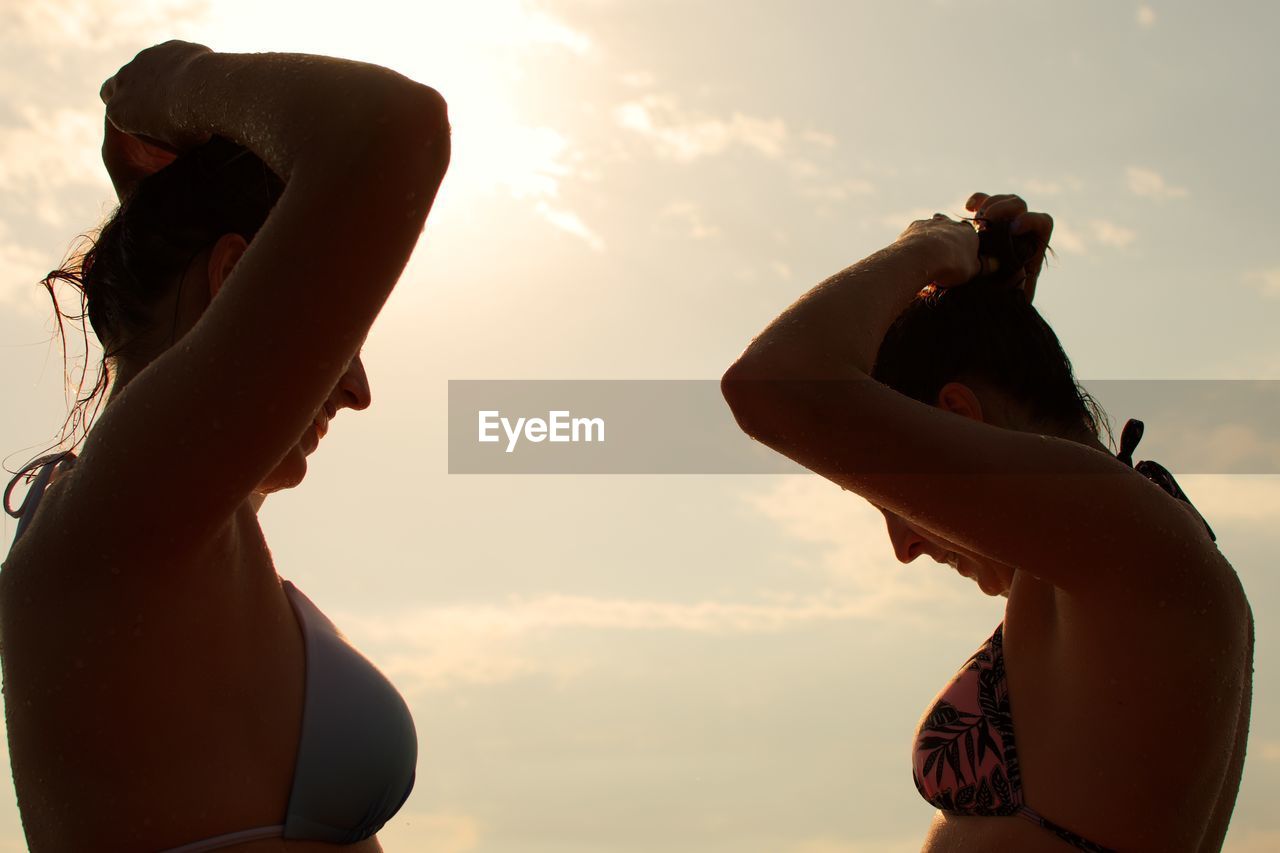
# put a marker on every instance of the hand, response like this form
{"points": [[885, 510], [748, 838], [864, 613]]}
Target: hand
{"points": [[950, 247], [141, 134], [129, 159], [1012, 210]]}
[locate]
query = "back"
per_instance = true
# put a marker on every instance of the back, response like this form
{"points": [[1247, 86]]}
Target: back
{"points": [[98, 658]]}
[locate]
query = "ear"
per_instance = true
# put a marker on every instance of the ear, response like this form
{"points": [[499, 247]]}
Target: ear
{"points": [[222, 259], [960, 399]]}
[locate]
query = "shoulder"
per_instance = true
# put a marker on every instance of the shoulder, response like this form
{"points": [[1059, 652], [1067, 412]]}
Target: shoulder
{"points": [[1186, 605], [58, 554]]}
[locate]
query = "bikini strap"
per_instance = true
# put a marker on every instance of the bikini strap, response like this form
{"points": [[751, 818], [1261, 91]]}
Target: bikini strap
{"points": [[39, 472], [1153, 471]]}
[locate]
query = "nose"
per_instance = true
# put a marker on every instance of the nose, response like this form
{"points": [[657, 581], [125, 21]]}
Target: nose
{"points": [[353, 387], [907, 544]]}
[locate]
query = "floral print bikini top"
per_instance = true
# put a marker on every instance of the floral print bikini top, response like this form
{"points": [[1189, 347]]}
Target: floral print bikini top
{"points": [[965, 757]]}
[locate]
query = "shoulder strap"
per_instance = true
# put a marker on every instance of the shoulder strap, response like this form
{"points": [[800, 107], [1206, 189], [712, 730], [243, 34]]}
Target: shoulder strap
{"points": [[1153, 471], [40, 471]]}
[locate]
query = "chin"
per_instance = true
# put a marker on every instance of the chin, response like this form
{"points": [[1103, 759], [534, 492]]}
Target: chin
{"points": [[290, 472], [994, 587], [990, 584]]}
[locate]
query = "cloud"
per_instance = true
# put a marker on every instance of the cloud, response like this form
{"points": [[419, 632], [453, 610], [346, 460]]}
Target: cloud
{"points": [[897, 222], [817, 137], [1267, 282], [901, 219], [1233, 446], [687, 136], [520, 23], [639, 79], [689, 214], [1083, 238], [839, 541], [1111, 235], [1237, 498], [1151, 184], [98, 25], [48, 151], [21, 269], [569, 222], [561, 612], [1055, 186], [1067, 239], [844, 545], [441, 647], [1146, 17], [842, 190]]}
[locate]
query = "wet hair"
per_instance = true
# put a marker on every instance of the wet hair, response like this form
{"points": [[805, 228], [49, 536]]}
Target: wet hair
{"points": [[143, 251], [987, 331]]}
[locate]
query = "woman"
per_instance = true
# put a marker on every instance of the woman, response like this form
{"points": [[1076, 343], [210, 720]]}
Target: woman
{"points": [[1124, 659], [163, 685]]}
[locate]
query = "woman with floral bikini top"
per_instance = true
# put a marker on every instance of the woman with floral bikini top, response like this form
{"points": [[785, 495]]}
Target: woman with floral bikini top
{"points": [[1120, 605]]}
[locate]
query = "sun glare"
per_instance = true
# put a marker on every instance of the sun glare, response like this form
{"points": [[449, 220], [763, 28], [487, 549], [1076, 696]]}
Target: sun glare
{"points": [[472, 53]]}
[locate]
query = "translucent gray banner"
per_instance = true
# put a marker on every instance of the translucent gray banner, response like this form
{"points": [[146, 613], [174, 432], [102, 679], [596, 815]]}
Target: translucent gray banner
{"points": [[667, 426]]}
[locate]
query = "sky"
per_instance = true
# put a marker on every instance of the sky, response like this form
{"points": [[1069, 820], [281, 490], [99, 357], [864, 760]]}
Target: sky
{"points": [[695, 662]]}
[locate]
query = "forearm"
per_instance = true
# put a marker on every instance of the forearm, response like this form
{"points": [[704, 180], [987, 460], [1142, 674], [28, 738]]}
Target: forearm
{"points": [[291, 109], [839, 325]]}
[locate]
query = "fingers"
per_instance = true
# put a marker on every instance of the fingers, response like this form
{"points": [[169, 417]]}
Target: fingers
{"points": [[129, 158], [1001, 207], [1040, 224], [990, 204], [1011, 210]]}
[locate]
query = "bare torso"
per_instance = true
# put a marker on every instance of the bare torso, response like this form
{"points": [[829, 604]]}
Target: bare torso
{"points": [[1130, 726], [151, 706]]}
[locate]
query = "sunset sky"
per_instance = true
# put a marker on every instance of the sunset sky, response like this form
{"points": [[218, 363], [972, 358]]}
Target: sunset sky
{"points": [[698, 664]]}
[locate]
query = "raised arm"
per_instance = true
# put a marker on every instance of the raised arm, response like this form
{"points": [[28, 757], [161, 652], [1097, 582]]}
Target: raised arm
{"points": [[363, 151], [1017, 497]]}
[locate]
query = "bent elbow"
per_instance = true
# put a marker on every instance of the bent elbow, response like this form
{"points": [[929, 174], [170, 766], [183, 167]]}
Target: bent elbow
{"points": [[405, 128], [747, 394], [427, 123]]}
